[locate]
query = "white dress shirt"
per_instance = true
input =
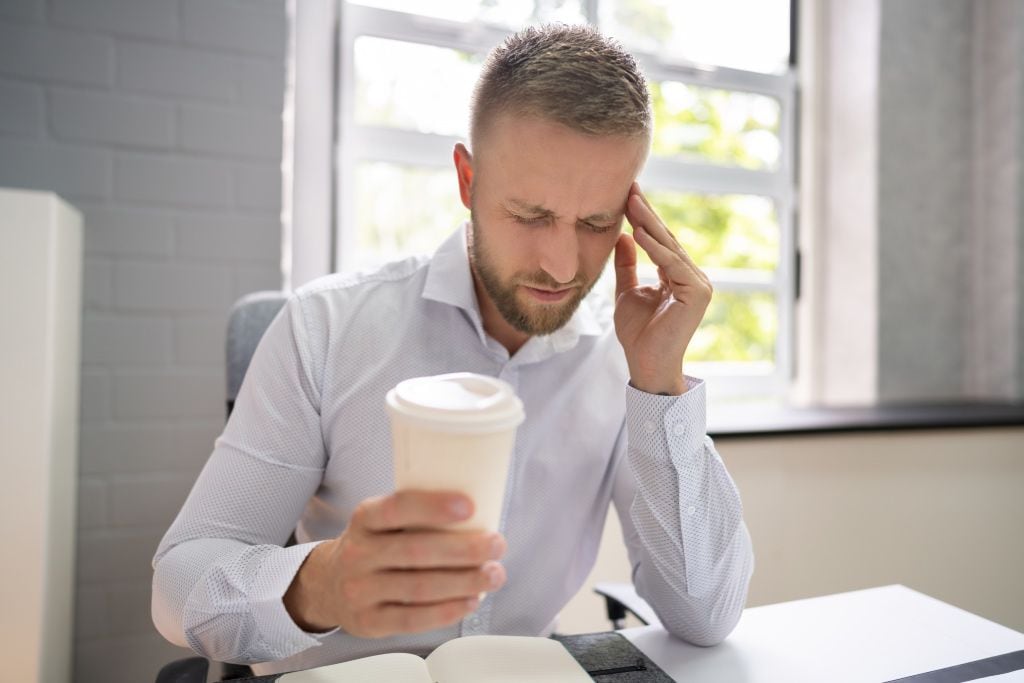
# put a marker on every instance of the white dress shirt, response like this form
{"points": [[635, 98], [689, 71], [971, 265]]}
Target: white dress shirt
{"points": [[309, 439]]}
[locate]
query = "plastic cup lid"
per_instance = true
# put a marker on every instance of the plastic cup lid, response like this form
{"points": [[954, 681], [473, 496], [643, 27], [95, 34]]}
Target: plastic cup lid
{"points": [[461, 401]]}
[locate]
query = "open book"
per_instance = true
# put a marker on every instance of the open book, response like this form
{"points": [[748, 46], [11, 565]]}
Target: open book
{"points": [[473, 659]]}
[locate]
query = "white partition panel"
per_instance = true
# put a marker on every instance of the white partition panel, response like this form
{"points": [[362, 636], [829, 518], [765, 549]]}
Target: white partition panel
{"points": [[40, 322]]}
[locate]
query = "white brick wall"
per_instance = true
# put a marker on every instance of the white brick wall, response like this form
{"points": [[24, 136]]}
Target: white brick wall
{"points": [[21, 109], [186, 72], [120, 17], [72, 171], [171, 180], [55, 56], [101, 117], [160, 120], [217, 129], [120, 232]]}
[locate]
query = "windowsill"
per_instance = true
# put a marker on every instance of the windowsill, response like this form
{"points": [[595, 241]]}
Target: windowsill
{"points": [[739, 421]]}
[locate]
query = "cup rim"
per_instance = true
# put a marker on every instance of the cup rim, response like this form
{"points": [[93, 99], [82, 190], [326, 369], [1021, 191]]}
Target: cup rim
{"points": [[491, 418]]}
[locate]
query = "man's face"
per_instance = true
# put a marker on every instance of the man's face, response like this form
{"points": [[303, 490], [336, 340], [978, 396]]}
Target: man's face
{"points": [[546, 209]]}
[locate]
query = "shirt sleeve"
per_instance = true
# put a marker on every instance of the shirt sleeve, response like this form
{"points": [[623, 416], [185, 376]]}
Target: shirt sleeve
{"points": [[681, 516], [220, 572]]}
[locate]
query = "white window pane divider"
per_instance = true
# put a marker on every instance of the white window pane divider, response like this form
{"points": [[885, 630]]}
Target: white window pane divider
{"points": [[723, 279], [479, 38], [656, 68], [394, 145], [404, 147], [474, 37], [693, 176]]}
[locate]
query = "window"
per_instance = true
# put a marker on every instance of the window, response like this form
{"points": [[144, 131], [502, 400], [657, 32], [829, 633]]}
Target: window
{"points": [[721, 172]]}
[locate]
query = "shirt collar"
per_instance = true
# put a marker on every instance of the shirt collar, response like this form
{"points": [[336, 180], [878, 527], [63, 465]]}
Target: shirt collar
{"points": [[449, 281]]}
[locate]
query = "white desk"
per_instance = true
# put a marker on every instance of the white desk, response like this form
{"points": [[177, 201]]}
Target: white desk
{"points": [[871, 635]]}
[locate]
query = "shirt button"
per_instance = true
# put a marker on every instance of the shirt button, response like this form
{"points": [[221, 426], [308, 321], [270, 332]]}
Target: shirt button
{"points": [[679, 429], [691, 510], [649, 426]]}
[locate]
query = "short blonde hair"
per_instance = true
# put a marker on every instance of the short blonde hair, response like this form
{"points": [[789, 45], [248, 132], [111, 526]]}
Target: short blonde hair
{"points": [[572, 75]]}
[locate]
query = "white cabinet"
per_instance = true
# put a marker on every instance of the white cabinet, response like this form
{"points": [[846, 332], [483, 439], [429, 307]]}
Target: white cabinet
{"points": [[40, 322]]}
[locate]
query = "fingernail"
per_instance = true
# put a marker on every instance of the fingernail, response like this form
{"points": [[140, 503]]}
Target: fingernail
{"points": [[493, 575], [497, 547], [459, 507]]}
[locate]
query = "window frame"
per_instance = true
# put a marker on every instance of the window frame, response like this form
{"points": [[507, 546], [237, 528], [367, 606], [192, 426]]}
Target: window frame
{"points": [[359, 143]]}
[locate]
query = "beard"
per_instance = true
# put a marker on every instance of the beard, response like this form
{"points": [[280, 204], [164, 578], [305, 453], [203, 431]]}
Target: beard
{"points": [[534, 318]]}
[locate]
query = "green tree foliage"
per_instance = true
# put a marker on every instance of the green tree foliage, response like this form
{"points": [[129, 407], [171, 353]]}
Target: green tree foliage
{"points": [[717, 126], [737, 328], [727, 232], [722, 231]]}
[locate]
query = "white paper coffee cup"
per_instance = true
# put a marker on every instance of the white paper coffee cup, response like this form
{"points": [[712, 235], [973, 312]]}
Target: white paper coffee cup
{"points": [[455, 432]]}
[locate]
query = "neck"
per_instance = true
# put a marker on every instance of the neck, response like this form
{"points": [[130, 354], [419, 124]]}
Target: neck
{"points": [[495, 324]]}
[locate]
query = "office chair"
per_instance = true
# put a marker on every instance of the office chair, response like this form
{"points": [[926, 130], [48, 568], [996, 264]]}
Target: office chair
{"points": [[247, 321], [620, 599]]}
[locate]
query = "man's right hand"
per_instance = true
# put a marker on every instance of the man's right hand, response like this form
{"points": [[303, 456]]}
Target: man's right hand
{"points": [[395, 570]]}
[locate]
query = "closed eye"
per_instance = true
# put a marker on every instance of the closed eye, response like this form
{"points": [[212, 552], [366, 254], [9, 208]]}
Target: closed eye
{"points": [[523, 220], [599, 228]]}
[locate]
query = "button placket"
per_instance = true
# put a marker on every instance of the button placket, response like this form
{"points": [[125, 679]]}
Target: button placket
{"points": [[476, 623]]}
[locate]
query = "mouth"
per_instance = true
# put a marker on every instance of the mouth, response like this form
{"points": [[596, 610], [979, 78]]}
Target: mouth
{"points": [[549, 296]]}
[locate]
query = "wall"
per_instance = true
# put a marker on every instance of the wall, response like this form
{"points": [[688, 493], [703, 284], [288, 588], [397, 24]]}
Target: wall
{"points": [[912, 132], [160, 120], [950, 216], [993, 313], [839, 132], [939, 511], [924, 197]]}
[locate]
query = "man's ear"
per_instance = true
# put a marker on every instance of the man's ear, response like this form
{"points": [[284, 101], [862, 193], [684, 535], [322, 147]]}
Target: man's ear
{"points": [[464, 170]]}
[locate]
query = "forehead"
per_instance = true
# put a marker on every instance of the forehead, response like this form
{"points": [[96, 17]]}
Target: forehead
{"points": [[546, 164]]}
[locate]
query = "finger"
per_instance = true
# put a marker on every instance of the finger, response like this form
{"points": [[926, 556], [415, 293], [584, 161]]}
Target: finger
{"points": [[684, 281], [435, 585], [662, 277], [641, 214], [388, 620], [670, 262], [411, 509], [625, 265], [434, 549], [644, 215], [678, 279]]}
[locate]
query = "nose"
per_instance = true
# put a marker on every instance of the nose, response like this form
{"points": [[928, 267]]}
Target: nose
{"points": [[559, 253]]}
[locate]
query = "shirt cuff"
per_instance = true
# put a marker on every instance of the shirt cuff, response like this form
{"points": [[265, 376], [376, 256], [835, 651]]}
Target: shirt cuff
{"points": [[271, 617], [667, 427]]}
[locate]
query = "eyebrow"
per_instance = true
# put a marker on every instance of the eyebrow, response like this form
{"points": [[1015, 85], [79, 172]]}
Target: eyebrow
{"points": [[538, 210]]}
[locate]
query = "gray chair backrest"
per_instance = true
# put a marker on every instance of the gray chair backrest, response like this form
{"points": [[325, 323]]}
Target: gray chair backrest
{"points": [[247, 321]]}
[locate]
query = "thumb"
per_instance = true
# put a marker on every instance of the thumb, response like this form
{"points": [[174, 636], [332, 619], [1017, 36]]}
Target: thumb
{"points": [[625, 265]]}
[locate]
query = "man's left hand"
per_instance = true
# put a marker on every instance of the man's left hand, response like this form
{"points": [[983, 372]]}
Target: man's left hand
{"points": [[655, 324]]}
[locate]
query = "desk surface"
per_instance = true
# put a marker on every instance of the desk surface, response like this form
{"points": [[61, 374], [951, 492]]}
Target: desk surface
{"points": [[874, 635]]}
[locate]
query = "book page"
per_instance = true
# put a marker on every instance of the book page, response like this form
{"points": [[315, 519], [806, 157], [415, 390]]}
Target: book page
{"points": [[504, 659], [395, 667]]}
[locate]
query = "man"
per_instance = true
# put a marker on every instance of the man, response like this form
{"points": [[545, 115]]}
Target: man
{"points": [[561, 126]]}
